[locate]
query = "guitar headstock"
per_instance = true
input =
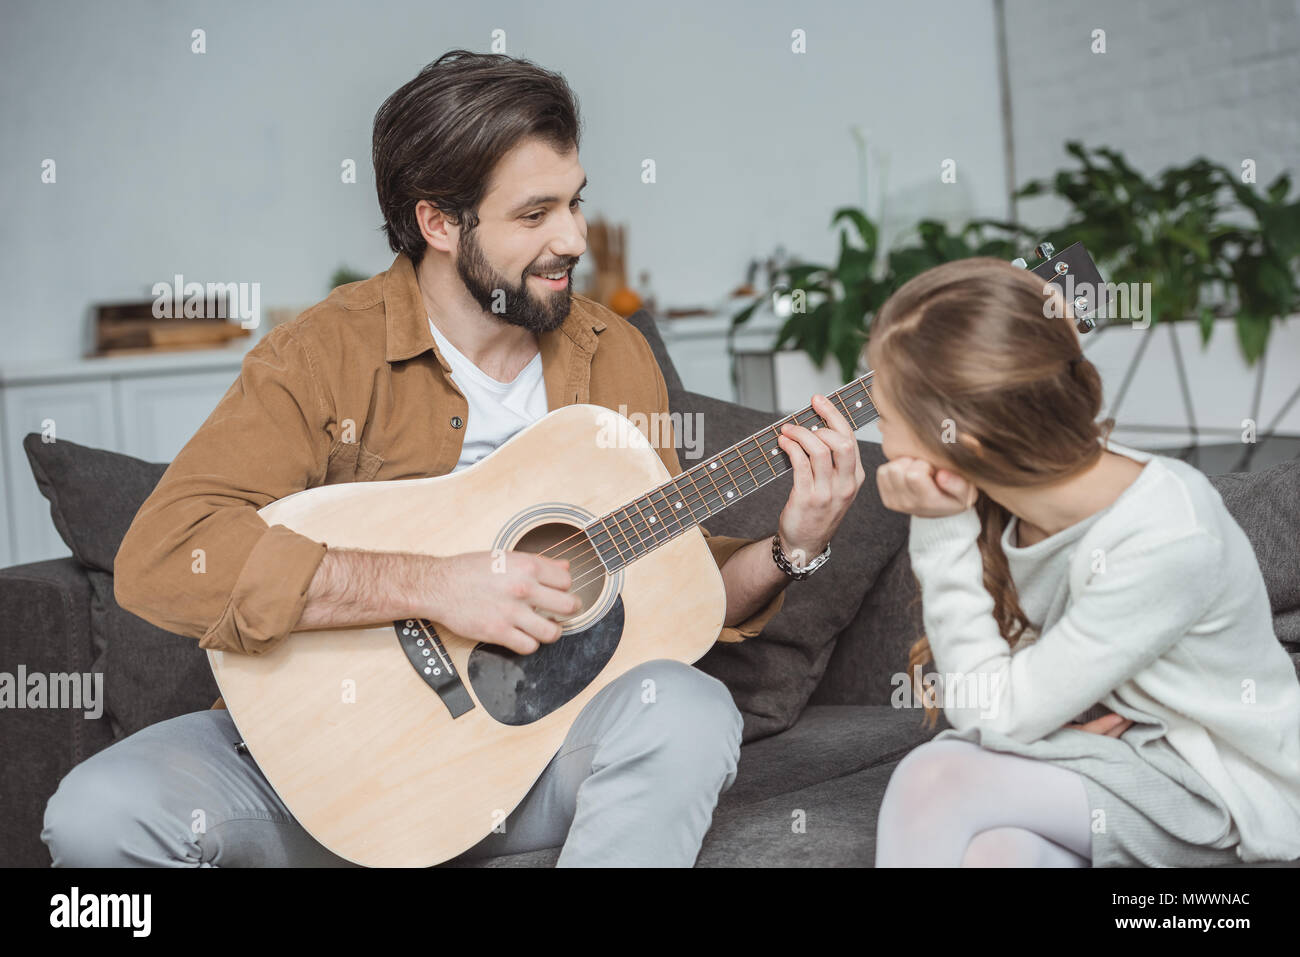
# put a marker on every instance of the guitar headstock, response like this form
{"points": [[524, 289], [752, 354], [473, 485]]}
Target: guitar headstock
{"points": [[1073, 270]]}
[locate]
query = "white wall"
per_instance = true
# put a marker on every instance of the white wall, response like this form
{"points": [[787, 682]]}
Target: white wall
{"points": [[1179, 79], [225, 166]]}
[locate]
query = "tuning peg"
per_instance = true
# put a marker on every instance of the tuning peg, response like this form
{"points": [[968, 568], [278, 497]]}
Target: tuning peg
{"points": [[1019, 262], [1084, 323], [1045, 250]]}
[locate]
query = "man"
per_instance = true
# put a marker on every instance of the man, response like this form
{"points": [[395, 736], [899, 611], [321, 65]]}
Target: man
{"points": [[419, 371]]}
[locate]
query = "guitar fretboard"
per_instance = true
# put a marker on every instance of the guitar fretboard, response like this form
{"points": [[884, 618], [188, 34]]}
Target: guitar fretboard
{"points": [[663, 513]]}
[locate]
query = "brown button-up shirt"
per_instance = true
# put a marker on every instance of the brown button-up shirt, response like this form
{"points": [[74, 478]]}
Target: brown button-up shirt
{"points": [[353, 390]]}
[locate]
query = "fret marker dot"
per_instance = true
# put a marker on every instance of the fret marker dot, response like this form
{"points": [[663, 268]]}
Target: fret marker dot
{"points": [[652, 519], [713, 465], [729, 494], [858, 404], [814, 428], [774, 451], [678, 505]]}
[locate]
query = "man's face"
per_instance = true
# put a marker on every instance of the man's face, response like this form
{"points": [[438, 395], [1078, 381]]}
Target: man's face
{"points": [[530, 223]]}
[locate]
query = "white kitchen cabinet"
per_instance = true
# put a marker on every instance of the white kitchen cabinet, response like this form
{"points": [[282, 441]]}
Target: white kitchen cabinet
{"points": [[147, 406]]}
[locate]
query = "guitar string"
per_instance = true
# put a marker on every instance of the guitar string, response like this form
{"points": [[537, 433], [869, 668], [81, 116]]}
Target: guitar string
{"points": [[738, 459]]}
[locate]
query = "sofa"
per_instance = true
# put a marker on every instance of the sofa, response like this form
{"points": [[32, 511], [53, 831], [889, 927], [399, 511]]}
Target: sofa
{"points": [[817, 690]]}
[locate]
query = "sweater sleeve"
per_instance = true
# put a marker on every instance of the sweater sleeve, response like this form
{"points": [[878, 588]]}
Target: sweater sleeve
{"points": [[1140, 597]]}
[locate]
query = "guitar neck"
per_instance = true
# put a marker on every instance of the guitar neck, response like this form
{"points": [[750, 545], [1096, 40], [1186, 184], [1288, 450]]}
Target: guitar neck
{"points": [[702, 491]]}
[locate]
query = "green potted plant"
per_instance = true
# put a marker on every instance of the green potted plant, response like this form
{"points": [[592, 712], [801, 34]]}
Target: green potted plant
{"points": [[1209, 245]]}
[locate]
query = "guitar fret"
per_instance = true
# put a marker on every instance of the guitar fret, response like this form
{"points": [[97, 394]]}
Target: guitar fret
{"points": [[672, 515]]}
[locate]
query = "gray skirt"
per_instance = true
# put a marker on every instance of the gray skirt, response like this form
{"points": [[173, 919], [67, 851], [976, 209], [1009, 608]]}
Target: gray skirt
{"points": [[1150, 808]]}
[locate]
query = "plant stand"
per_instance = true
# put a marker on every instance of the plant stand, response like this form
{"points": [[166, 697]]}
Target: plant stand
{"points": [[1192, 451]]}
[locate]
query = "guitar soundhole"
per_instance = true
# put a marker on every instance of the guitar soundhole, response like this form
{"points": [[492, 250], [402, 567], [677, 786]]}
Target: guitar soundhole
{"points": [[520, 689], [563, 541]]}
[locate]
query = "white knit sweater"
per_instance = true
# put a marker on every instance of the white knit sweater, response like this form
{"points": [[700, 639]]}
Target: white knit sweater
{"points": [[1162, 609]]}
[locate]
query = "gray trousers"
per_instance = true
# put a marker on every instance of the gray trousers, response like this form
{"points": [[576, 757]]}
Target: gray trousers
{"points": [[634, 785]]}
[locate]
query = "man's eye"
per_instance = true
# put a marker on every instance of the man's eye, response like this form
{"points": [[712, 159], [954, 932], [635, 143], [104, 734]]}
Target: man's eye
{"points": [[540, 214]]}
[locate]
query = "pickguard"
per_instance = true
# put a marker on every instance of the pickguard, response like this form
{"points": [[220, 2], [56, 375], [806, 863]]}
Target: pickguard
{"points": [[520, 689]]}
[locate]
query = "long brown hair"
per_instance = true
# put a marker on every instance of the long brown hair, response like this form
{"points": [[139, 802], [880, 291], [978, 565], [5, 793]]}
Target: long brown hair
{"points": [[980, 348], [441, 134]]}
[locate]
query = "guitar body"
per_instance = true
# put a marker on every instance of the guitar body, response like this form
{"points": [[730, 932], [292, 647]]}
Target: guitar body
{"points": [[404, 744]]}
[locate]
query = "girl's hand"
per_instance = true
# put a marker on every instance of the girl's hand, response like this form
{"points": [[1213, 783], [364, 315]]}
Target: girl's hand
{"points": [[914, 486], [1111, 725]]}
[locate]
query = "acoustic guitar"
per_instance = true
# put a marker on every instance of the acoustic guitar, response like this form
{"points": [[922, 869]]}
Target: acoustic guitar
{"points": [[404, 743]]}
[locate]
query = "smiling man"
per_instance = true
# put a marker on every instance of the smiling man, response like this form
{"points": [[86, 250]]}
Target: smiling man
{"points": [[472, 334]]}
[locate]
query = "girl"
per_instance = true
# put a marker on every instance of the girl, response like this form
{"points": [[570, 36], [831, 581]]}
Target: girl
{"points": [[1066, 578]]}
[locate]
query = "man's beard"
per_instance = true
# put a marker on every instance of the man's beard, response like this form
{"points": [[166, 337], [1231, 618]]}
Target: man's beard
{"points": [[510, 302]]}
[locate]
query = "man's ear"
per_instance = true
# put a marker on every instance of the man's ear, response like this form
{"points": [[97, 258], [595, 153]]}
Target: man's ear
{"points": [[434, 226]]}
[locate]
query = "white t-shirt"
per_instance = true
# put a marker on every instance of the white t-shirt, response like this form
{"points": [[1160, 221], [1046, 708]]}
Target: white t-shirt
{"points": [[497, 410]]}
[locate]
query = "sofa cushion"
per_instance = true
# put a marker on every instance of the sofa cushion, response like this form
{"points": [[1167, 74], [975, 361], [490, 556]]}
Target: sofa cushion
{"points": [[93, 494], [837, 828], [645, 322], [772, 676], [826, 742], [150, 675], [1266, 504], [869, 662]]}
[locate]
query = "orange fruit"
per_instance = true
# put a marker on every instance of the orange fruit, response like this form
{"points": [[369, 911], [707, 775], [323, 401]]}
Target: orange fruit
{"points": [[625, 302]]}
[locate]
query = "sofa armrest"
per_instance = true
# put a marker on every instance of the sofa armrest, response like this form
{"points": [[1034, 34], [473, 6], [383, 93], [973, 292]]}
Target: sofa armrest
{"points": [[45, 608]]}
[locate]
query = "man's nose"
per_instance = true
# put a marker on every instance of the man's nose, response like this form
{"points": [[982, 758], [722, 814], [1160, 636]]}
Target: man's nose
{"points": [[572, 241]]}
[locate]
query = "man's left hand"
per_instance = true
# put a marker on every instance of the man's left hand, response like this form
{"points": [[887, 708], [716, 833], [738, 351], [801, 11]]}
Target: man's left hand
{"points": [[827, 475]]}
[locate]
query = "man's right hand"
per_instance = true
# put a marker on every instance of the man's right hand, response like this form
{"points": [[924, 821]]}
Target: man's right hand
{"points": [[501, 598]]}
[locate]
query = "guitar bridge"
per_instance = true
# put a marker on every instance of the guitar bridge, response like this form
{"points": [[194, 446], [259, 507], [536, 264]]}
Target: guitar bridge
{"points": [[429, 658]]}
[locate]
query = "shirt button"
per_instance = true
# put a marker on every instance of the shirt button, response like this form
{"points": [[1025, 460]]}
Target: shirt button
{"points": [[457, 422]]}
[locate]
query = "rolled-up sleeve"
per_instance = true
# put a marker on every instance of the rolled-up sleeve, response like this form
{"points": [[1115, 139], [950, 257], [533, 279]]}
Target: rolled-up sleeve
{"points": [[198, 560], [722, 546]]}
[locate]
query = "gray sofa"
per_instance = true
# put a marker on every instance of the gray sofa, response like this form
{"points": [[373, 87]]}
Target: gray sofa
{"points": [[821, 737]]}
